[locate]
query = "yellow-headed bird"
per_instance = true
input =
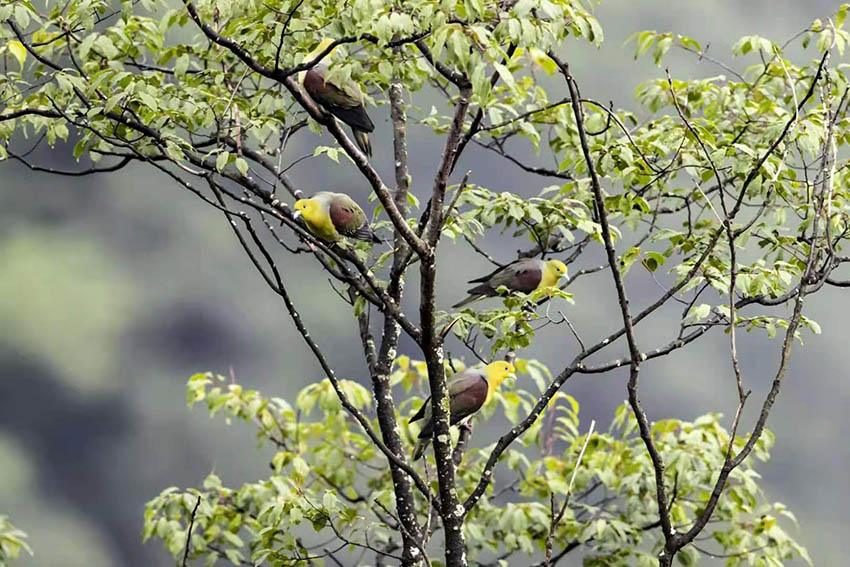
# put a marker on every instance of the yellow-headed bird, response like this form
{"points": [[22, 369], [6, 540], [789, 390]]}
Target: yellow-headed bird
{"points": [[330, 216], [522, 275], [468, 391], [345, 101]]}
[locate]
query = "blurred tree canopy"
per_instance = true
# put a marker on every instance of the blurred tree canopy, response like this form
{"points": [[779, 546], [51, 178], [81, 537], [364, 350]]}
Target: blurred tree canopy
{"points": [[729, 192]]}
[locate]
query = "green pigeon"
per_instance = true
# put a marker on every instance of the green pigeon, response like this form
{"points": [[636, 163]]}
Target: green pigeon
{"points": [[345, 101], [330, 216], [468, 392], [524, 275]]}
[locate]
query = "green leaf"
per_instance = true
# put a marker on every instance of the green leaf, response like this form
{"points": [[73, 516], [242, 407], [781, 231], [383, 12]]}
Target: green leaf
{"points": [[149, 101], [300, 469], [699, 312], [628, 259], [241, 166], [181, 65], [22, 14], [221, 161], [17, 49], [841, 15], [330, 501], [506, 76], [653, 260], [541, 58], [105, 47]]}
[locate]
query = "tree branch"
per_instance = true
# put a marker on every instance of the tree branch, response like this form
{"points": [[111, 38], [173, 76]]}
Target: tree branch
{"points": [[284, 76], [277, 285], [411, 530], [610, 251]]}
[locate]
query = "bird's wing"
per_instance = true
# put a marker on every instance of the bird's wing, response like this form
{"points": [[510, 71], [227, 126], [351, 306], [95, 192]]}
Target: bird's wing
{"points": [[467, 392], [523, 275], [345, 103], [462, 381], [346, 215], [485, 287], [352, 91], [488, 277], [457, 384], [327, 92]]}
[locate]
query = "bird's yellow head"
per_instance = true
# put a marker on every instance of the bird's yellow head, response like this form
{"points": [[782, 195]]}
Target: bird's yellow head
{"points": [[552, 273], [497, 372], [558, 268], [307, 208]]}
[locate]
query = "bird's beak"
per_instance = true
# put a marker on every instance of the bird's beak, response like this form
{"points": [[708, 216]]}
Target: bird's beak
{"points": [[296, 214]]}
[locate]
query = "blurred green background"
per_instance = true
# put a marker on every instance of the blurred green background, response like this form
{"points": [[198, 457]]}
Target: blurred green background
{"points": [[114, 289]]}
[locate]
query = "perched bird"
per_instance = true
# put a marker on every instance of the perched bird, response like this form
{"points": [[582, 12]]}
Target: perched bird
{"points": [[345, 101], [522, 275], [468, 391], [330, 216]]}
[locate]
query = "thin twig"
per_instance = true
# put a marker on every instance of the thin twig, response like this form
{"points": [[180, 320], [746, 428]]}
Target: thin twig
{"points": [[189, 532], [556, 519]]}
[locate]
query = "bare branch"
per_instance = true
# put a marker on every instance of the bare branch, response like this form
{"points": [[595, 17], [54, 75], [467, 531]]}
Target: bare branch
{"points": [[556, 518], [636, 358], [189, 531], [412, 535]]}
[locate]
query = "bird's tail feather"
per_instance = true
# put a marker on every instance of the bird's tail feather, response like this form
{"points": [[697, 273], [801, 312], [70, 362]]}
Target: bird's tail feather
{"points": [[419, 449], [366, 234], [467, 301], [362, 139], [356, 117], [476, 293]]}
